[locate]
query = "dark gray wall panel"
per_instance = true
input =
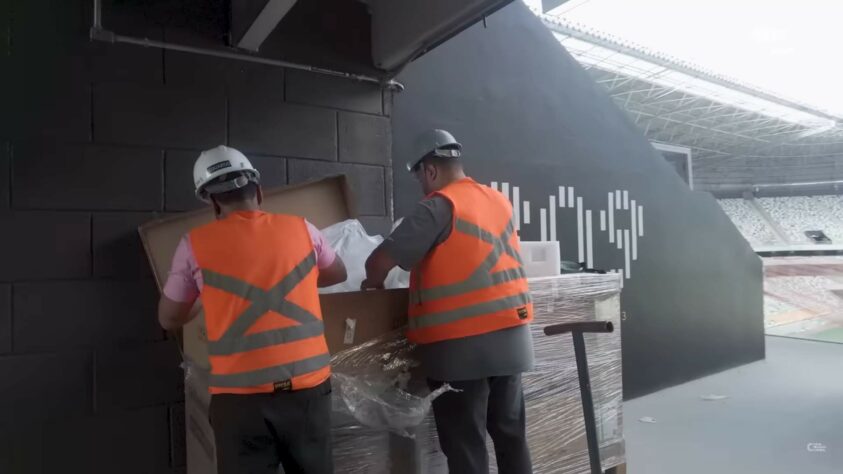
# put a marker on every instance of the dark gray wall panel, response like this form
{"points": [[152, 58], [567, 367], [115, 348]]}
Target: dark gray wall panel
{"points": [[367, 182], [57, 385], [5, 181], [21, 450], [178, 440], [127, 442], [50, 110], [5, 318], [261, 125], [86, 177], [194, 70], [69, 314], [364, 139], [527, 114], [139, 375], [117, 247], [158, 116], [38, 245], [124, 62], [318, 89], [179, 192]]}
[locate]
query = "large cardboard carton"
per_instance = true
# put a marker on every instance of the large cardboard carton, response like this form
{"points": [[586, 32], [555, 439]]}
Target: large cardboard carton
{"points": [[350, 318]]}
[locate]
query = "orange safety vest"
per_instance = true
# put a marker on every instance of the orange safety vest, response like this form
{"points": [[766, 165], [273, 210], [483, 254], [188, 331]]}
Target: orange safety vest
{"points": [[472, 283], [261, 303]]}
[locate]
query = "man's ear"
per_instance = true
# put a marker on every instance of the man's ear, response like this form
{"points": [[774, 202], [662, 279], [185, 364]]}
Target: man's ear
{"points": [[431, 171], [260, 195]]}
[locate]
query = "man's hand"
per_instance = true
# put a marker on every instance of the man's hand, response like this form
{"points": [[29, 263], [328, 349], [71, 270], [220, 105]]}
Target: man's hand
{"points": [[378, 266]]}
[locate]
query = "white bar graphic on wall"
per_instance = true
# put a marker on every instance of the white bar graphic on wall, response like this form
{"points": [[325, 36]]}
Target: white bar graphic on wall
{"points": [[495, 185], [611, 218], [570, 196], [626, 253], [543, 222], [516, 206], [603, 220], [634, 235], [619, 238], [561, 196], [526, 212], [617, 199], [589, 259], [580, 242], [505, 190], [552, 210], [640, 221], [625, 200]]}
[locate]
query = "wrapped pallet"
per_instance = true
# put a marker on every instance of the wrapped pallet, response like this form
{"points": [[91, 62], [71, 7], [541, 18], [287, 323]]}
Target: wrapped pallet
{"points": [[396, 398]]}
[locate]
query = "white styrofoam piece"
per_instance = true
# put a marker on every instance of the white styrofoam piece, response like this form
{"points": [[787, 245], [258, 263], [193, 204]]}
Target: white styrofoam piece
{"points": [[541, 259]]}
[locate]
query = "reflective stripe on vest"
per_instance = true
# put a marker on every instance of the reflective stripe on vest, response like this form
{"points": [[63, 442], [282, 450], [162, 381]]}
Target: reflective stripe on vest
{"points": [[235, 340], [482, 276]]}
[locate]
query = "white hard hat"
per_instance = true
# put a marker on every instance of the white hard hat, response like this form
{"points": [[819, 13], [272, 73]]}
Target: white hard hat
{"points": [[221, 161], [434, 143]]}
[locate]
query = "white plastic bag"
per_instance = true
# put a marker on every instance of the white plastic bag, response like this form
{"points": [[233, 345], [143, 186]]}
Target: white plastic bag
{"points": [[353, 245], [398, 277]]}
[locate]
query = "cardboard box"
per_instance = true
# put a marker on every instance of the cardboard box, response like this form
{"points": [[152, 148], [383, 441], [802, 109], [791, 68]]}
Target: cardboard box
{"points": [[350, 318]]}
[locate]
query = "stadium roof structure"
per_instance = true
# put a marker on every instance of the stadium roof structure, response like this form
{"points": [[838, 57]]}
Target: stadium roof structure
{"points": [[678, 103]]}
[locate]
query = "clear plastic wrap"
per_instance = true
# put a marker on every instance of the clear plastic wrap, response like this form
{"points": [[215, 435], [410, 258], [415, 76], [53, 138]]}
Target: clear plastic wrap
{"points": [[371, 383], [382, 422], [556, 432]]}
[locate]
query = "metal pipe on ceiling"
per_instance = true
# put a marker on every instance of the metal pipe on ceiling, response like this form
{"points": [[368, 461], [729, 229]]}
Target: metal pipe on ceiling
{"points": [[98, 33]]}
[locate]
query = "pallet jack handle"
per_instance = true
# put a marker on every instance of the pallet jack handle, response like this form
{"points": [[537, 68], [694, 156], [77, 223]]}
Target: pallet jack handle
{"points": [[577, 329]]}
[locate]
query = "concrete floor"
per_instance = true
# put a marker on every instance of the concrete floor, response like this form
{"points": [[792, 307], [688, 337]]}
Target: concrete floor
{"points": [[775, 409]]}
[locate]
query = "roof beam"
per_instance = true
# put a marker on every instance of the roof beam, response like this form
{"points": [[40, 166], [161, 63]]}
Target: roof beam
{"points": [[266, 21]]}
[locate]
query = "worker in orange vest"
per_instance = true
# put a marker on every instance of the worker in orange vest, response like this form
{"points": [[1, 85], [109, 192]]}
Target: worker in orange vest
{"points": [[469, 307], [256, 275]]}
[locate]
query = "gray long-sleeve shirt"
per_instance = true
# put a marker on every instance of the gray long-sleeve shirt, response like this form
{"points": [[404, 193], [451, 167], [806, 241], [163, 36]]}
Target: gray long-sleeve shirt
{"points": [[504, 352]]}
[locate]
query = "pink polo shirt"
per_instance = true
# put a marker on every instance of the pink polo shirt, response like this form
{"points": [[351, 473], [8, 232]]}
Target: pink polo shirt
{"points": [[184, 282]]}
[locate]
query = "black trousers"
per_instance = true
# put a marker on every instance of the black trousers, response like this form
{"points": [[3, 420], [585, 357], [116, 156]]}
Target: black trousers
{"points": [[256, 432], [462, 418]]}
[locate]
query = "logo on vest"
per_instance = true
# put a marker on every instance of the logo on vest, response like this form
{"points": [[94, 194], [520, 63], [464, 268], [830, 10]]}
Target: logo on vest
{"points": [[282, 386], [218, 166], [522, 312]]}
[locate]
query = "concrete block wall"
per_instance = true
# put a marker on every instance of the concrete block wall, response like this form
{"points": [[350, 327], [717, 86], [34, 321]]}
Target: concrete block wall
{"points": [[96, 139]]}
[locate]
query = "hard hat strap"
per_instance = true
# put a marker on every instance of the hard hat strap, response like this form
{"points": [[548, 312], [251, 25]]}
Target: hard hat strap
{"points": [[230, 185], [447, 152]]}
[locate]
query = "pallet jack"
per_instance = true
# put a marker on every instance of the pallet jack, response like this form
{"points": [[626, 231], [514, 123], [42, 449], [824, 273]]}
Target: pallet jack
{"points": [[577, 329]]}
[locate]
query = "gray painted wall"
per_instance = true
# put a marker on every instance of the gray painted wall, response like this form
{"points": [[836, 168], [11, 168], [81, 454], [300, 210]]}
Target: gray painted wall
{"points": [[94, 140], [527, 114]]}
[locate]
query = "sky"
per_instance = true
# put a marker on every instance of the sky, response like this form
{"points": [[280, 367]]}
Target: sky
{"points": [[791, 48]]}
